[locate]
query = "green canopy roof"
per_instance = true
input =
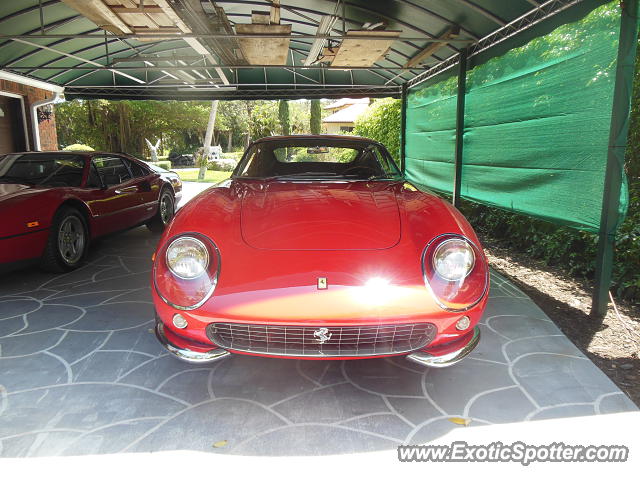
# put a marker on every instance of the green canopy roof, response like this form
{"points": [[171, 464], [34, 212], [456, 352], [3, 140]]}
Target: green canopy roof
{"points": [[48, 40]]}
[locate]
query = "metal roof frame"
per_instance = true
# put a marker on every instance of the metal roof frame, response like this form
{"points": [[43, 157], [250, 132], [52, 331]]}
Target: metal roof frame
{"points": [[49, 41]]}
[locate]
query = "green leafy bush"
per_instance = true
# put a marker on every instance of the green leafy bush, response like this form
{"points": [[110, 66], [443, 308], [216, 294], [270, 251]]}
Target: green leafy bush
{"points": [[234, 155], [222, 164], [166, 164], [381, 122], [78, 147], [572, 250]]}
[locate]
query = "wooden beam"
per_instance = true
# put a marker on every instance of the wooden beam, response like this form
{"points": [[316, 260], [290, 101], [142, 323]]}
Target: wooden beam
{"points": [[158, 30], [260, 18], [265, 51], [275, 12], [100, 14], [451, 33], [328, 54], [170, 12], [142, 9], [360, 52], [193, 42]]}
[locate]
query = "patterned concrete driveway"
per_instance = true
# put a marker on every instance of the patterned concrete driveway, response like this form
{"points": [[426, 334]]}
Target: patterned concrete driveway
{"points": [[82, 373]]}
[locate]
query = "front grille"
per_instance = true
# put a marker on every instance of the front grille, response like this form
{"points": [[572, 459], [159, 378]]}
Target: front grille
{"points": [[306, 340]]}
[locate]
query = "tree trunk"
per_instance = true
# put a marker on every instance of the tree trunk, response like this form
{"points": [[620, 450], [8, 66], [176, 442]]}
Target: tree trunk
{"points": [[315, 117], [207, 140], [229, 140]]}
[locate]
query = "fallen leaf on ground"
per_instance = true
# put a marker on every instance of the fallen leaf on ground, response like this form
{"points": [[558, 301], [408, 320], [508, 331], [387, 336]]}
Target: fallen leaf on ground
{"points": [[219, 444], [460, 421]]}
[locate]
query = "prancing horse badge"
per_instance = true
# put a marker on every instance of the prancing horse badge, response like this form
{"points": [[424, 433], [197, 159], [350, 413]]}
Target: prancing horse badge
{"points": [[322, 283]]}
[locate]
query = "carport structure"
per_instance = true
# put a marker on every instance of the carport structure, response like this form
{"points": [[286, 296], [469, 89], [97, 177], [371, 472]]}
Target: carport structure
{"points": [[488, 114], [551, 163]]}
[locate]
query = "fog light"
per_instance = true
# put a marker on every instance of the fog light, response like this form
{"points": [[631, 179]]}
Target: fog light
{"points": [[179, 321], [461, 324]]}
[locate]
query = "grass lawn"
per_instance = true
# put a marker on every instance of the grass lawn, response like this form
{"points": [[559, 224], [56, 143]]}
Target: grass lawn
{"points": [[212, 176]]}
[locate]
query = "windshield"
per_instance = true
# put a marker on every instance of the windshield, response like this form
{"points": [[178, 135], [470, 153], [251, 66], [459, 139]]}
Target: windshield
{"points": [[317, 158], [156, 168], [51, 169]]}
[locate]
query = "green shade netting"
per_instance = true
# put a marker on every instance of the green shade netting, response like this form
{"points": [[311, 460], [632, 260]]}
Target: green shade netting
{"points": [[537, 123]]}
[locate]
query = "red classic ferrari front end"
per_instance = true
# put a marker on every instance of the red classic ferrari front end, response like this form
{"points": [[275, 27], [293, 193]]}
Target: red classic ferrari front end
{"points": [[318, 248]]}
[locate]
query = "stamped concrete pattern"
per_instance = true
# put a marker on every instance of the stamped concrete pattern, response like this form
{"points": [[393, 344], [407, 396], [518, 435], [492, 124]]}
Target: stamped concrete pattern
{"points": [[82, 373]]}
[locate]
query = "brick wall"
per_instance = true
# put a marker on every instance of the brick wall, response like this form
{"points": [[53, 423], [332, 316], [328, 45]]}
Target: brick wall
{"points": [[48, 134], [47, 128]]}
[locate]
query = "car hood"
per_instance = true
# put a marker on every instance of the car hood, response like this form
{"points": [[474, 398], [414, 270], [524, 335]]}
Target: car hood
{"points": [[10, 189], [320, 216]]}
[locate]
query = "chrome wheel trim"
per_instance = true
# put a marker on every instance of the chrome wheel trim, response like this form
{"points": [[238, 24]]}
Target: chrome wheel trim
{"points": [[71, 239], [166, 208]]}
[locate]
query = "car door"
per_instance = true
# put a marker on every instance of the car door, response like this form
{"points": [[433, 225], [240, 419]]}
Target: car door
{"points": [[148, 186], [117, 203]]}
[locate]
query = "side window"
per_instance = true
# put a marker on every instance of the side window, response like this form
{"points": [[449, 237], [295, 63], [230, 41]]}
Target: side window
{"points": [[93, 180], [136, 169], [51, 169], [386, 161], [68, 172], [112, 170]]}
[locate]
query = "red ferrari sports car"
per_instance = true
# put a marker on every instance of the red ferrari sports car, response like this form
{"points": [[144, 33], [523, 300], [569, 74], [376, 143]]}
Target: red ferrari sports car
{"points": [[53, 203], [318, 248]]}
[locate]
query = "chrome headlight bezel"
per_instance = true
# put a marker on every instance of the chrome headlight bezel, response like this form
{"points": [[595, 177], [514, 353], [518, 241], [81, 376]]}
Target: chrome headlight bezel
{"points": [[447, 294], [198, 244], [461, 241], [186, 294]]}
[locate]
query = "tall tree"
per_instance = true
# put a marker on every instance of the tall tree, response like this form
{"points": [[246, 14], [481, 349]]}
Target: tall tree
{"points": [[283, 116], [315, 119], [206, 149]]}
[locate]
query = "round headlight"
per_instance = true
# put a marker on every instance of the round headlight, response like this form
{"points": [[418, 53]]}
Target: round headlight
{"points": [[453, 259], [187, 258]]}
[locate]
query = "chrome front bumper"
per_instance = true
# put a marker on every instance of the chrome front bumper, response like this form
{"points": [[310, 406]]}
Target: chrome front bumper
{"points": [[423, 358], [451, 358], [186, 355]]}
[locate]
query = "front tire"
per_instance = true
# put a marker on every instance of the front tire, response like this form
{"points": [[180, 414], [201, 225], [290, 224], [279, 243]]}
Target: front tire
{"points": [[166, 210], [67, 243]]}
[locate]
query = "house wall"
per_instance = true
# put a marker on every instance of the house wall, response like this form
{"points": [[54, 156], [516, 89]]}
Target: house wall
{"points": [[30, 95], [334, 128]]}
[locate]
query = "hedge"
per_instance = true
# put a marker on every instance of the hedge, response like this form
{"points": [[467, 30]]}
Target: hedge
{"points": [[78, 147], [572, 250], [381, 122], [166, 164]]}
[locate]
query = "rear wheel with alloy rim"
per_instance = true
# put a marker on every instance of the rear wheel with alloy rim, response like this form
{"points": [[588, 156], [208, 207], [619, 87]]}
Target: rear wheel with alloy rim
{"points": [[68, 241], [166, 210]]}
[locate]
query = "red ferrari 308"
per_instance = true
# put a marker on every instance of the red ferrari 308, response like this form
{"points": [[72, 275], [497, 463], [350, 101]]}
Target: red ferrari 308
{"points": [[318, 248], [53, 203]]}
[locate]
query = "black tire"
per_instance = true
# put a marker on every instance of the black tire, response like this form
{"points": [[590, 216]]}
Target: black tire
{"points": [[166, 211], [68, 241]]}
